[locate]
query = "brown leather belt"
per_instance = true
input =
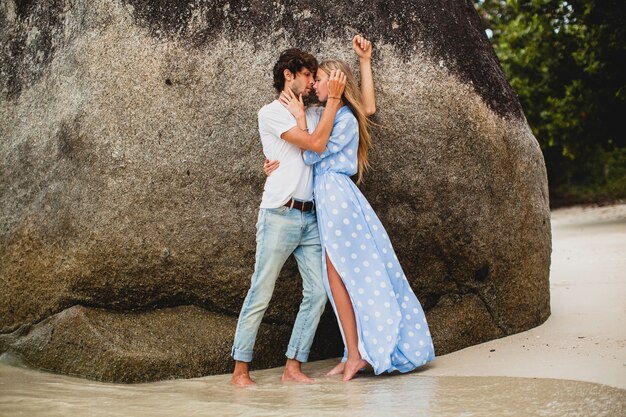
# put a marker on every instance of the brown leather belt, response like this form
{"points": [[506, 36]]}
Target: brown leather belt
{"points": [[300, 205]]}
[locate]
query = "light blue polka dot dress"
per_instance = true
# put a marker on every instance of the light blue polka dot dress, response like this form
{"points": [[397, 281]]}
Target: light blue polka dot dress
{"points": [[392, 329]]}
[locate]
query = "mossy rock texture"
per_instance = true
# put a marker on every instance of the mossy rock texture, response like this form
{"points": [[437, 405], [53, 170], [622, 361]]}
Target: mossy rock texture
{"points": [[130, 177]]}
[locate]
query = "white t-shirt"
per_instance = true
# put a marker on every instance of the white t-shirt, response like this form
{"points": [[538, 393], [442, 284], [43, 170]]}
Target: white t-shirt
{"points": [[313, 116], [293, 178]]}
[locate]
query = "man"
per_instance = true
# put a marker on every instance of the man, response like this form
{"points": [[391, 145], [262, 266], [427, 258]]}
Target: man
{"points": [[287, 221]]}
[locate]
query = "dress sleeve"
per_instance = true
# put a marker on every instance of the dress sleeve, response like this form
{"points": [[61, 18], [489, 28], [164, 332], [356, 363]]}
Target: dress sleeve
{"points": [[344, 130]]}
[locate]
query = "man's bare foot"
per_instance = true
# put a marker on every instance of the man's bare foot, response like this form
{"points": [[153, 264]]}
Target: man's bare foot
{"points": [[352, 367], [293, 373], [241, 375], [242, 380], [338, 369]]}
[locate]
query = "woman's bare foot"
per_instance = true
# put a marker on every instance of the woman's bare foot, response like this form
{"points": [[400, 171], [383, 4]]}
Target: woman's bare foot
{"points": [[352, 367], [338, 369]]}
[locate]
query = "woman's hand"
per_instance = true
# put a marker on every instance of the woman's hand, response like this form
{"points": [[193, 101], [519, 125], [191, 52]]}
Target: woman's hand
{"points": [[294, 104], [270, 166], [362, 47], [336, 84]]}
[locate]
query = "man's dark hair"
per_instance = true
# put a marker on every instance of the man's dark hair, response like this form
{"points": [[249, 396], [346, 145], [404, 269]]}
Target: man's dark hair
{"points": [[292, 59]]}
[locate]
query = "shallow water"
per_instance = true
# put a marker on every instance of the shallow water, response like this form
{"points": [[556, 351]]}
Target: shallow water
{"points": [[27, 392]]}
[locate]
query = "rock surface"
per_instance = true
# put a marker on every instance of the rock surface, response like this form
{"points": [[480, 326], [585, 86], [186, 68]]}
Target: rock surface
{"points": [[134, 347], [130, 176]]}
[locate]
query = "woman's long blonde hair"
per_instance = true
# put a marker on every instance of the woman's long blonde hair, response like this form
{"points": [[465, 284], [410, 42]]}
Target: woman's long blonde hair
{"points": [[352, 98]]}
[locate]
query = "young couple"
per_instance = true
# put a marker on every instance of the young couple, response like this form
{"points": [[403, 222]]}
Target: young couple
{"points": [[340, 245]]}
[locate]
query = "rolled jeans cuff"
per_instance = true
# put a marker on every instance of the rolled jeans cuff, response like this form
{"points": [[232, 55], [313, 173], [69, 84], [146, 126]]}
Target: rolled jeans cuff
{"points": [[300, 356], [241, 355]]}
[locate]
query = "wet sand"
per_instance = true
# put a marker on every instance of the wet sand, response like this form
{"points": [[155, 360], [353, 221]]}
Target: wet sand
{"points": [[32, 393], [572, 365]]}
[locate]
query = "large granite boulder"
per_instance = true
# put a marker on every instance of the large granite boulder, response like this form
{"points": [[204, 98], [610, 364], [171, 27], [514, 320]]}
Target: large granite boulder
{"points": [[130, 176]]}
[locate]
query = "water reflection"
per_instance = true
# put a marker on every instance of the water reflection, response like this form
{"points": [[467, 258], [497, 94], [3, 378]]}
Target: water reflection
{"points": [[26, 392]]}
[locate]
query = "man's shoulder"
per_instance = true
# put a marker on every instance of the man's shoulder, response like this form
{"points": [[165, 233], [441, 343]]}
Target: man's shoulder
{"points": [[268, 106], [273, 108], [275, 119]]}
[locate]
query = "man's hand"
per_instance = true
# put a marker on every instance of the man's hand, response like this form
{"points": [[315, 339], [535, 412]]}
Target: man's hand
{"points": [[362, 47], [270, 166], [336, 84]]}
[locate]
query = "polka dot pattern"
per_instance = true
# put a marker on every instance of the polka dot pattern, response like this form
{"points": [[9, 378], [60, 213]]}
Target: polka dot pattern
{"points": [[393, 334]]}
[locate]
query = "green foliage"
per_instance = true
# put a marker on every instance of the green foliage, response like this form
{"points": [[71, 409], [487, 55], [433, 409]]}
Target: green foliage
{"points": [[566, 60]]}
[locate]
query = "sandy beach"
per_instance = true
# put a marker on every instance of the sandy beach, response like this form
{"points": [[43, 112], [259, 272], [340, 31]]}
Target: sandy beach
{"points": [[572, 365], [585, 337]]}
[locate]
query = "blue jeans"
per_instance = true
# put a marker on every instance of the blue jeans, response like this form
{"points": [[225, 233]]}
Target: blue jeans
{"points": [[281, 232]]}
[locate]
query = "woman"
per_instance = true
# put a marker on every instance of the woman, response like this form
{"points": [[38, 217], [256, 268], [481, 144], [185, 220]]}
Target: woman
{"points": [[381, 321]]}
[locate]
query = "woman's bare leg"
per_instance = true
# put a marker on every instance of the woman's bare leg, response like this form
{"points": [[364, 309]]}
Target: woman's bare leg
{"points": [[347, 322]]}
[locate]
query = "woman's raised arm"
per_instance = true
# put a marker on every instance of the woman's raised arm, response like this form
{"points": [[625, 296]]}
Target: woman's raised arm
{"points": [[363, 48]]}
